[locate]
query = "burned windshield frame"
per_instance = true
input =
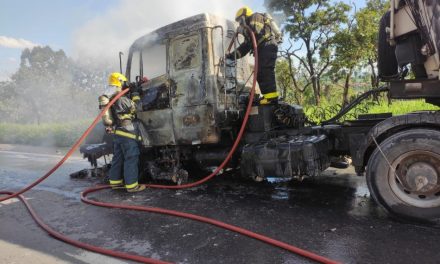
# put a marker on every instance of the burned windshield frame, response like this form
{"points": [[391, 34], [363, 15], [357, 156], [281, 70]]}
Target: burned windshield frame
{"points": [[137, 60]]}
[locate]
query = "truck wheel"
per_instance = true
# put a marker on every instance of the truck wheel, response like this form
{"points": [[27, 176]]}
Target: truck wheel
{"points": [[411, 187]]}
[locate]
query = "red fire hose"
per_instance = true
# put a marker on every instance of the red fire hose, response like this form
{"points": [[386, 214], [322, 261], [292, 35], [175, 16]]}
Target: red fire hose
{"points": [[123, 255]]}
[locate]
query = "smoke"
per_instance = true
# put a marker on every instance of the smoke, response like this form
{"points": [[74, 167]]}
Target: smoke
{"points": [[15, 43], [100, 39]]}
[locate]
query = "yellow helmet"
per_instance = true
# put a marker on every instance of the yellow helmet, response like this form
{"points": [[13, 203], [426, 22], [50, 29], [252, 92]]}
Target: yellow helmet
{"points": [[244, 11], [116, 79]]}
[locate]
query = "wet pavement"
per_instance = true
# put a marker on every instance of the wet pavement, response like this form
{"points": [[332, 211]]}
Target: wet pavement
{"points": [[332, 215]]}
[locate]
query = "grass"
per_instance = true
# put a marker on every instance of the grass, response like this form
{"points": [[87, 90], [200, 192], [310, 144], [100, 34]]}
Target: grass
{"points": [[396, 107], [400, 107], [49, 134]]}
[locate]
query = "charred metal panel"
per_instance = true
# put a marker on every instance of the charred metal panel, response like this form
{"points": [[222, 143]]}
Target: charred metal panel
{"points": [[185, 71], [159, 126], [286, 157], [261, 118], [185, 53], [192, 115], [196, 125]]}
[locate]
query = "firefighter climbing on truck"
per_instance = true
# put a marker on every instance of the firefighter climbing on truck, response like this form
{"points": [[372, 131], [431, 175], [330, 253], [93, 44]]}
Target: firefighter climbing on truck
{"points": [[268, 37]]}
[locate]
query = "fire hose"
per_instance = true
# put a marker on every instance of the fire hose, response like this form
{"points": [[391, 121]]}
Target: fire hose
{"points": [[118, 254]]}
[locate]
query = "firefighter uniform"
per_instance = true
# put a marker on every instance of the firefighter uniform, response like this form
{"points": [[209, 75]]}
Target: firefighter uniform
{"points": [[120, 121], [267, 36]]}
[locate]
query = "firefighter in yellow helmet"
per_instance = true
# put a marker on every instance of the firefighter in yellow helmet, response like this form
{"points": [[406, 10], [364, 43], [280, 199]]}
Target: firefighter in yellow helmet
{"points": [[120, 121], [268, 36]]}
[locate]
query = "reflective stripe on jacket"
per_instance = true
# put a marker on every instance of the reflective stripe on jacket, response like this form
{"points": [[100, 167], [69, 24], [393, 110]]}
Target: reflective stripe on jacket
{"points": [[127, 135]]}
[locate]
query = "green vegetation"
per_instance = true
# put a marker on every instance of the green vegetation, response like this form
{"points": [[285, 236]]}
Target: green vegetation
{"points": [[49, 87], [47, 134], [49, 100], [327, 110], [331, 57], [399, 107]]}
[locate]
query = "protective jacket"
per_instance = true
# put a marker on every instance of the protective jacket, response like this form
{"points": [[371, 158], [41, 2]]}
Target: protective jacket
{"points": [[265, 30], [123, 113], [267, 36]]}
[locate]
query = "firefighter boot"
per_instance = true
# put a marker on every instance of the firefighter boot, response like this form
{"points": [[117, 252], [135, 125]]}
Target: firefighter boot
{"points": [[138, 188]]}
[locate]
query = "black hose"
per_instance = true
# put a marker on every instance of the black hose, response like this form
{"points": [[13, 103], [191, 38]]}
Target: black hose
{"points": [[355, 102]]}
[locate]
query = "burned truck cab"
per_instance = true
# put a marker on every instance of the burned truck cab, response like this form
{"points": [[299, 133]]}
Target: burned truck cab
{"points": [[193, 105], [190, 106], [186, 101]]}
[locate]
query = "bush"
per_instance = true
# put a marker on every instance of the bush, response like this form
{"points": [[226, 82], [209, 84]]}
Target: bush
{"points": [[49, 134]]}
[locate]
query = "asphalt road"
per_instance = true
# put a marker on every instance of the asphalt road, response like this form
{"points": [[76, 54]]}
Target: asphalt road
{"points": [[332, 215]]}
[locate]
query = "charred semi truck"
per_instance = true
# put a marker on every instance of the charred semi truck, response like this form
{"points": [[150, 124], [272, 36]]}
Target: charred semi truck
{"points": [[194, 103]]}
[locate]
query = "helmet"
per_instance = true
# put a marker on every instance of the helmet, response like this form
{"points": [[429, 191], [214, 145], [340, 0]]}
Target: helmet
{"points": [[244, 11], [116, 79]]}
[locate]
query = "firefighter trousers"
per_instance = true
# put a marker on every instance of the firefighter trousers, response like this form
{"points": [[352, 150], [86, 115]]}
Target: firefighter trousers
{"points": [[125, 162], [267, 55]]}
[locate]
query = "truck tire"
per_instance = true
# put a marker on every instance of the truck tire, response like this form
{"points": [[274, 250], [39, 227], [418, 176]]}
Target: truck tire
{"points": [[387, 62], [412, 190]]}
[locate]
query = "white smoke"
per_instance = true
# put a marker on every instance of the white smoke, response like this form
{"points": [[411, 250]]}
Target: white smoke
{"points": [[15, 43], [101, 38]]}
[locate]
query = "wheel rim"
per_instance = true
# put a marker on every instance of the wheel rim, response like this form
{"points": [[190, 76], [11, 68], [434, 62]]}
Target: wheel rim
{"points": [[417, 182]]}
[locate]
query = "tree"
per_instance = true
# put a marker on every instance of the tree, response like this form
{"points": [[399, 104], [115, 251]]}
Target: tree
{"points": [[356, 45], [349, 52], [368, 20], [290, 91], [7, 99], [39, 82], [48, 87], [313, 23]]}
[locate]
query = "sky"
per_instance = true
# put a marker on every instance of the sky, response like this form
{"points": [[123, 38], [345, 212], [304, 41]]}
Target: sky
{"points": [[94, 29]]}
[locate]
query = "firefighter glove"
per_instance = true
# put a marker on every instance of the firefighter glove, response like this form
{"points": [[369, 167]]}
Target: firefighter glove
{"points": [[230, 56], [133, 88], [108, 129]]}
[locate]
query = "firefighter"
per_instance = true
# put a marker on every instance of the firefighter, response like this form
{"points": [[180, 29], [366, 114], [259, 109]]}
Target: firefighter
{"points": [[120, 122], [268, 36]]}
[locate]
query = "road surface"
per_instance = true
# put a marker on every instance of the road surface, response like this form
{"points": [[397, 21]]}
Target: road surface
{"points": [[332, 215]]}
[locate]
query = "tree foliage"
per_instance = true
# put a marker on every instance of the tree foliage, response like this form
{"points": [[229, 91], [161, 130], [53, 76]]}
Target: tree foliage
{"points": [[332, 47], [312, 25], [355, 46], [48, 87]]}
